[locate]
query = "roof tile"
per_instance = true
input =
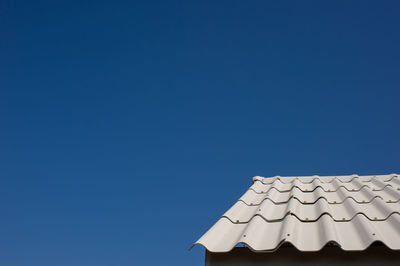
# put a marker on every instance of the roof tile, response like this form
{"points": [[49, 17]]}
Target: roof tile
{"points": [[309, 212]]}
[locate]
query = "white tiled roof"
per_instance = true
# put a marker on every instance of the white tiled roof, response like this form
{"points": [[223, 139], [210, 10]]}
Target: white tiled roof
{"points": [[309, 212]]}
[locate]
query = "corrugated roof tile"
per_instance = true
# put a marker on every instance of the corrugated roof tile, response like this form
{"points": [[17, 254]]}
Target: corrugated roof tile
{"points": [[309, 212]]}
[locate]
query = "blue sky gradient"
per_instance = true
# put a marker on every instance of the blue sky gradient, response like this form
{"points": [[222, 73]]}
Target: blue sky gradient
{"points": [[128, 128]]}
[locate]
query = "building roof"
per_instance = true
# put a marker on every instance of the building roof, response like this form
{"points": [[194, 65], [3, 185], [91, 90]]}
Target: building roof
{"points": [[309, 212]]}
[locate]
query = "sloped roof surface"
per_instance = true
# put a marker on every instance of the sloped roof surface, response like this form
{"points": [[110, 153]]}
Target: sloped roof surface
{"points": [[309, 212]]}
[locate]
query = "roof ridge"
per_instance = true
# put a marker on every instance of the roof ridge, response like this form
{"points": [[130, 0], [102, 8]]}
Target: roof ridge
{"points": [[299, 178]]}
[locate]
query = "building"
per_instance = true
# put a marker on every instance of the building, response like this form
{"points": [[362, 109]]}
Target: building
{"points": [[310, 220]]}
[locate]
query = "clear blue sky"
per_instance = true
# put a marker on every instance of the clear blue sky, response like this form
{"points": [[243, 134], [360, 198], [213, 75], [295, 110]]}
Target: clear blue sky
{"points": [[127, 129]]}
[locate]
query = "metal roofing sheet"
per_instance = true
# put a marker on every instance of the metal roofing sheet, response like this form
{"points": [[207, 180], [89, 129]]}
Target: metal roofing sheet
{"points": [[309, 212]]}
